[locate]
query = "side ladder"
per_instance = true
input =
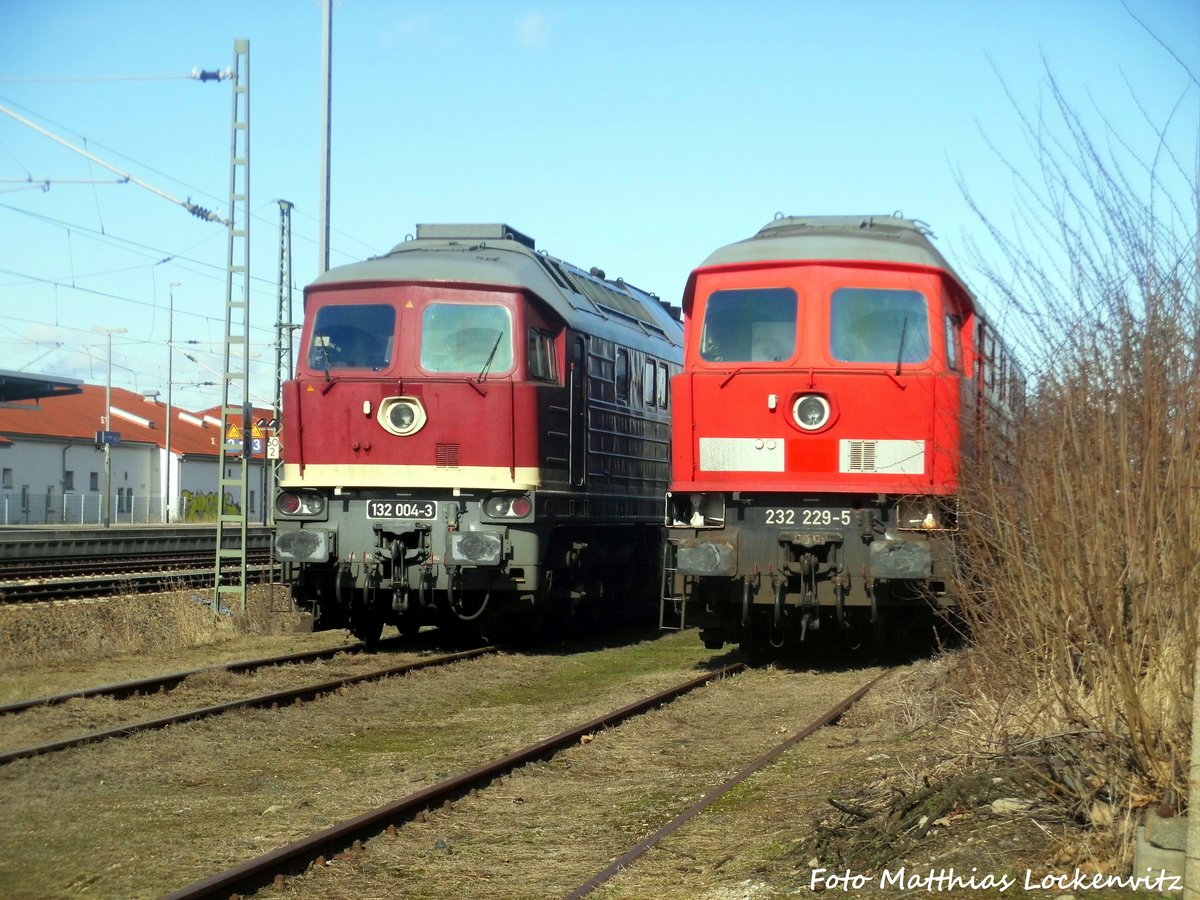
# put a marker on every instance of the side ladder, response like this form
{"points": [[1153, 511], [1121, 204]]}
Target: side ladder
{"points": [[672, 604]]}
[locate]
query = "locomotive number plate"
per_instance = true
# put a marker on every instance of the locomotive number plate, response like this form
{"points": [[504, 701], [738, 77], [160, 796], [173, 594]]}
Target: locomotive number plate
{"points": [[811, 517], [401, 509]]}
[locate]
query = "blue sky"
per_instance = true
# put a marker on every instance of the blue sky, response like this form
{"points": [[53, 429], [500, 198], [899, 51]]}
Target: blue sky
{"points": [[637, 137]]}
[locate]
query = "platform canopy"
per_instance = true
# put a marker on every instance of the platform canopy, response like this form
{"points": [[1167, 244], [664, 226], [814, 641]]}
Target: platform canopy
{"points": [[25, 386]]}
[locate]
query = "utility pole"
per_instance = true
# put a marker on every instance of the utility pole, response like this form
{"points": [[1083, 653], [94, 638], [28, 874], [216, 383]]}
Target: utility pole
{"points": [[170, 360], [107, 515], [326, 85]]}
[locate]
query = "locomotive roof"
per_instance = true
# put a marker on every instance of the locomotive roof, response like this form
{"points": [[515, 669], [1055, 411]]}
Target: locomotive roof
{"points": [[495, 254], [867, 238]]}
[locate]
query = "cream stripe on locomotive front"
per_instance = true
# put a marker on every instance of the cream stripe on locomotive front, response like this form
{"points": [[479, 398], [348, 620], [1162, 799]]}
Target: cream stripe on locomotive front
{"points": [[525, 478], [741, 454], [886, 457]]}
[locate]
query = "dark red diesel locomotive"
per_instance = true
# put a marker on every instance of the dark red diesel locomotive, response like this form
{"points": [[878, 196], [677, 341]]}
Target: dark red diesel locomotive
{"points": [[838, 376], [477, 432]]}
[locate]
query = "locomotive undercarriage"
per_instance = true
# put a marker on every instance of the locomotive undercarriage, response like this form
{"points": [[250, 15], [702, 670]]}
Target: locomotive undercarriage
{"points": [[461, 571], [839, 568]]}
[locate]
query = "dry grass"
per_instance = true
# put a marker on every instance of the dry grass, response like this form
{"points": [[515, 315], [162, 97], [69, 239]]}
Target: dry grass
{"points": [[51, 647], [139, 816], [549, 827], [1086, 537]]}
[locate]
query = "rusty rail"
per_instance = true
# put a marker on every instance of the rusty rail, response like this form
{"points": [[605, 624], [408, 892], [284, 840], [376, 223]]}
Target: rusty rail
{"points": [[295, 857], [277, 698], [716, 793]]}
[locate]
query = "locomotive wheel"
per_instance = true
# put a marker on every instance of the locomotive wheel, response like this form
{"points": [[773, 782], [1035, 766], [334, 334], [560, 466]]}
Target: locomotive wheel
{"points": [[408, 623], [713, 638], [753, 644], [366, 624]]}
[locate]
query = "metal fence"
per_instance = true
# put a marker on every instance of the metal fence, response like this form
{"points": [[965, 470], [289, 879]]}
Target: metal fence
{"points": [[126, 508]]}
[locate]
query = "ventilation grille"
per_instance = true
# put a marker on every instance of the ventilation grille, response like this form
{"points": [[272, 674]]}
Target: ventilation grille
{"points": [[862, 456], [447, 456]]}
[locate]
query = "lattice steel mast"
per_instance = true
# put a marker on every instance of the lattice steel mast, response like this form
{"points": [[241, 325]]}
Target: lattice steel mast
{"points": [[284, 329], [235, 443]]}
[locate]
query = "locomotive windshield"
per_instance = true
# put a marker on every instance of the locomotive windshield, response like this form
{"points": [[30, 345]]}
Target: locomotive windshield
{"points": [[474, 339], [757, 325], [874, 325], [352, 337]]}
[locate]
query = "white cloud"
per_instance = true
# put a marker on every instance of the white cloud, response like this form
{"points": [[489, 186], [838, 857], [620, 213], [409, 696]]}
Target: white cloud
{"points": [[532, 31]]}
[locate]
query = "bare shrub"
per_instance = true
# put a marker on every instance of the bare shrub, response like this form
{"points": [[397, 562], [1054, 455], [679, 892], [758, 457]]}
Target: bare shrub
{"points": [[1085, 542]]}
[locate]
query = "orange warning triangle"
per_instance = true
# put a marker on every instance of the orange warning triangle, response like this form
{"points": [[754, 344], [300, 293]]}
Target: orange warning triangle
{"points": [[233, 433]]}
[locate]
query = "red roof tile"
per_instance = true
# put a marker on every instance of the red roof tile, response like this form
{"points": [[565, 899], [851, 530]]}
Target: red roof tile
{"points": [[136, 418]]}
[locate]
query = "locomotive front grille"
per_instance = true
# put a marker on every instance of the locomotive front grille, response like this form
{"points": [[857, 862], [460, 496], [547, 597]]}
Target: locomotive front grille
{"points": [[447, 456], [862, 456]]}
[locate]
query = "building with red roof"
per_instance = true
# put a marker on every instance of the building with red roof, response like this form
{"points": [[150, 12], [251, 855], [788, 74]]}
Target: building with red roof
{"points": [[52, 459]]}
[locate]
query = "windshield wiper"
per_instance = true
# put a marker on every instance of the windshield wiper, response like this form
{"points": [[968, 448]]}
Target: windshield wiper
{"points": [[900, 352], [488, 362], [323, 346]]}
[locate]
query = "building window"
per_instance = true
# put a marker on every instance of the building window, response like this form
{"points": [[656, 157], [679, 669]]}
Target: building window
{"points": [[24, 498], [68, 481], [8, 478], [93, 481]]}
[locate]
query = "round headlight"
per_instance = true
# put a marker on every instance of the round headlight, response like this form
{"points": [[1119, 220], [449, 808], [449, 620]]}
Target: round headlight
{"points": [[811, 411], [288, 504], [401, 416], [521, 507], [495, 507]]}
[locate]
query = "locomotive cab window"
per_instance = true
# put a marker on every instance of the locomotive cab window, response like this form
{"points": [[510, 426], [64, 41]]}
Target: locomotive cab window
{"points": [[352, 337], [475, 339], [752, 325], [877, 325]]}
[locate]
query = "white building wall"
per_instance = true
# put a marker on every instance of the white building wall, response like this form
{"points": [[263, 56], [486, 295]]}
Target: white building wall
{"points": [[60, 481]]}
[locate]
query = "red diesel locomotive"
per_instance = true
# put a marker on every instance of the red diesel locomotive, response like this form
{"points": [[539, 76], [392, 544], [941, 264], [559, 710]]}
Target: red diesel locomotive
{"points": [[838, 377], [477, 432]]}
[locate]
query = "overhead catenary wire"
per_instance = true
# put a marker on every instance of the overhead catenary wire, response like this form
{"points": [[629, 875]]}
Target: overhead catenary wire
{"points": [[195, 75], [196, 210]]}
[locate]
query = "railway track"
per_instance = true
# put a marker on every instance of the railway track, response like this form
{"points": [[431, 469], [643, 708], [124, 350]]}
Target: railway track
{"points": [[60, 579], [48, 564], [273, 699], [315, 850]]}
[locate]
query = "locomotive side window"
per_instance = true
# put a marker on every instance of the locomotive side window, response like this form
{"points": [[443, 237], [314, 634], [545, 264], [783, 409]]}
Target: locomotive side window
{"points": [[877, 325], [540, 361], [352, 337], [953, 342], [623, 376], [753, 325], [475, 338], [648, 385], [662, 385]]}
